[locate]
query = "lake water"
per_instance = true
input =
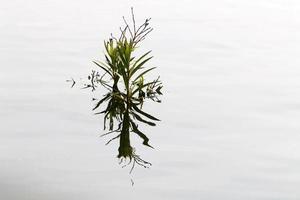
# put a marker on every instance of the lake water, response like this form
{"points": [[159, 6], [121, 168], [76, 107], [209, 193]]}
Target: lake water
{"points": [[230, 112]]}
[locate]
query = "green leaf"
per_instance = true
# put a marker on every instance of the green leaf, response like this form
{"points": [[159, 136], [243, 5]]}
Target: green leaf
{"points": [[146, 71], [138, 60], [128, 50], [106, 70], [134, 69], [121, 54]]}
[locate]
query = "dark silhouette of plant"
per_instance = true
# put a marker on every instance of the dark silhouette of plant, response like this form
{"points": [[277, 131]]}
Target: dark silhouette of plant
{"points": [[123, 77]]}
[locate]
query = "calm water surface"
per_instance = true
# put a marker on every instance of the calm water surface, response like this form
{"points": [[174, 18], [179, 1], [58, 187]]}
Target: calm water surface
{"points": [[230, 113]]}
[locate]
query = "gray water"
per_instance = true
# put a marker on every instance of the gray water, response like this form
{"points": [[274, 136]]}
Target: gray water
{"points": [[230, 111]]}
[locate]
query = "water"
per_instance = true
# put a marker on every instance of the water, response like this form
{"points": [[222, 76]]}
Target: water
{"points": [[230, 112]]}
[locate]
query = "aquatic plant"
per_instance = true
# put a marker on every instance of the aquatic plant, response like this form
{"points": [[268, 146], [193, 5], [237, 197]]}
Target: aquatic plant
{"points": [[123, 75]]}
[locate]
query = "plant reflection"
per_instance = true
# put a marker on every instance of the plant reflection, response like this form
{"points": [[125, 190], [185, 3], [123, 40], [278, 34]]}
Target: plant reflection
{"points": [[123, 76]]}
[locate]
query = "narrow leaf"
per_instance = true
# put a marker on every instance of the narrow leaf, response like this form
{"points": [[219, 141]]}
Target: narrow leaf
{"points": [[101, 101], [106, 70], [143, 56], [134, 69], [139, 133], [142, 120], [143, 113], [143, 73], [145, 85]]}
